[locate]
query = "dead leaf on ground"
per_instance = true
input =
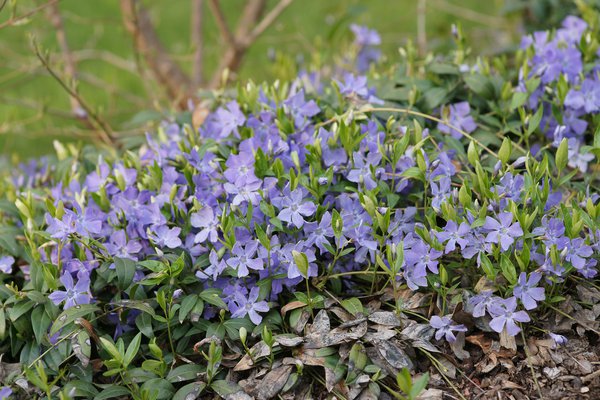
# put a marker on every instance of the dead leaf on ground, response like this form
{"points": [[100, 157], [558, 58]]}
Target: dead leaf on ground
{"points": [[272, 383], [260, 349], [386, 318]]}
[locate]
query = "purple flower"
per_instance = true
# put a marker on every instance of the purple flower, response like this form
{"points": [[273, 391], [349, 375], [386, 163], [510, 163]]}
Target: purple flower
{"points": [[445, 327], [552, 232], [367, 41], [293, 208], [317, 233], [361, 173], [459, 117], [243, 258], [504, 316], [286, 257], [205, 219], [559, 340], [527, 290], [215, 268], [481, 302], [5, 393], [163, 236], [576, 158], [244, 190], [121, 248], [453, 234], [74, 293], [240, 165], [228, 119], [84, 224], [249, 306], [502, 231], [586, 98], [6, 264], [422, 257], [441, 191], [577, 252], [415, 278], [300, 109]]}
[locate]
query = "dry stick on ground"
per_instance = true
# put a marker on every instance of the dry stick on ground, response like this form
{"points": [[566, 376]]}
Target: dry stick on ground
{"points": [[146, 41], [247, 32], [105, 132], [197, 38]]}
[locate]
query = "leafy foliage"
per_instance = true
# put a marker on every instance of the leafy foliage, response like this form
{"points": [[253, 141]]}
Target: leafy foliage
{"points": [[304, 227]]}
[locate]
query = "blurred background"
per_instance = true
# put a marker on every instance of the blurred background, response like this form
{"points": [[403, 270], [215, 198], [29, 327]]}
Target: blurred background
{"points": [[126, 59]]}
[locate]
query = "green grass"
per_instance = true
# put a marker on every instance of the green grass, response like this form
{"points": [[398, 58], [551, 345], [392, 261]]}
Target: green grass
{"points": [[30, 100]]}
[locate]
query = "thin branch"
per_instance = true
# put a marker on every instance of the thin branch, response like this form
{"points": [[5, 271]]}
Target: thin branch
{"points": [[421, 27], [107, 57], [469, 14], [104, 129], [28, 14], [269, 19], [249, 29], [146, 41], [215, 8], [197, 38], [70, 67]]}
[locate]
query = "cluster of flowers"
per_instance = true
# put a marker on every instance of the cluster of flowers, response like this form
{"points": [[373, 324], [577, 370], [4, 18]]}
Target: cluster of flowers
{"points": [[273, 191], [561, 75]]}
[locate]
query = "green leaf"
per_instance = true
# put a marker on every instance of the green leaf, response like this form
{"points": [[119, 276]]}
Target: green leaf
{"points": [[161, 388], [144, 323], [213, 296], [562, 154], [301, 261], [40, 321], [353, 306], [185, 372], [110, 347], [419, 385], [135, 304], [534, 121], [480, 85], [112, 392], [187, 305], [71, 314], [505, 150], [190, 391], [132, 349], [518, 99], [233, 326], [225, 388], [16, 311], [79, 388], [8, 241], [125, 271]]}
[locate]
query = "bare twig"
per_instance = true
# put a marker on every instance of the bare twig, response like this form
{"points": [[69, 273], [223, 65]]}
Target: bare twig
{"points": [[104, 130], [421, 27], [469, 14], [215, 8], [249, 29], [28, 14], [146, 41], [197, 37], [107, 57], [269, 19], [70, 67]]}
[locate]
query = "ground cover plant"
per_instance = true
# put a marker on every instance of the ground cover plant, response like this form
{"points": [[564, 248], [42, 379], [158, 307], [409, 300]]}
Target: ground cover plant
{"points": [[330, 237]]}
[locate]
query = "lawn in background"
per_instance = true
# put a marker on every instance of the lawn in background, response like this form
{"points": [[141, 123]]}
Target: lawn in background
{"points": [[31, 102]]}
